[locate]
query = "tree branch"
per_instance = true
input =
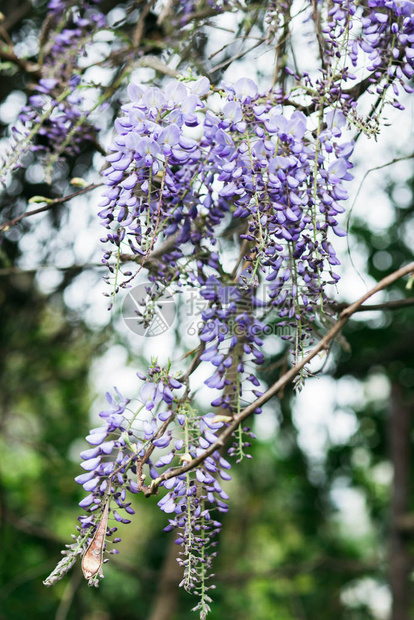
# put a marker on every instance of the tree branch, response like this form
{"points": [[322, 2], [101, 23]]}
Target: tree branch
{"points": [[17, 15], [28, 67], [140, 27], [395, 304], [51, 202], [282, 381]]}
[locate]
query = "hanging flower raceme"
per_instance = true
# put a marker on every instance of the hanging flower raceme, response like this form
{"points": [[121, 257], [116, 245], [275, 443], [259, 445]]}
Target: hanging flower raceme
{"points": [[251, 162], [55, 117], [196, 499], [106, 464], [130, 450], [54, 122], [232, 335], [383, 31], [114, 464], [152, 164]]}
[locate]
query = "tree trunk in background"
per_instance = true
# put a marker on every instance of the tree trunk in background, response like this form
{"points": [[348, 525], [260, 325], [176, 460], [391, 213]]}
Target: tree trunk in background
{"points": [[165, 600], [399, 556]]}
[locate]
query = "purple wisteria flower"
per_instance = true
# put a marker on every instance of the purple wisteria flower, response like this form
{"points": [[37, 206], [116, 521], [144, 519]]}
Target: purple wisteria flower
{"points": [[112, 461], [191, 166], [160, 182], [386, 37], [195, 502], [54, 123]]}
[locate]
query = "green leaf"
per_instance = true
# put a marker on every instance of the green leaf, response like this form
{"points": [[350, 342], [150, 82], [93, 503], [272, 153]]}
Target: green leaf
{"points": [[40, 199]]}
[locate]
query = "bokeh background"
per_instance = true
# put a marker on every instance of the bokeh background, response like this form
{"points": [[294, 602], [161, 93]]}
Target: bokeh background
{"points": [[321, 519]]}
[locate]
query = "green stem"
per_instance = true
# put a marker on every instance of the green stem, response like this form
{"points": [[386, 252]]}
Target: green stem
{"points": [[189, 541]]}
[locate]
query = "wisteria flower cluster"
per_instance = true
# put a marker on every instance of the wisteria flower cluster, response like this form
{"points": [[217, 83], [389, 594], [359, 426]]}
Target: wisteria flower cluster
{"points": [[133, 447], [192, 165], [383, 32], [55, 120], [251, 162]]}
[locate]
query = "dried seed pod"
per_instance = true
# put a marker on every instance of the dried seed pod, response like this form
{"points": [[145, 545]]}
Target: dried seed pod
{"points": [[93, 557]]}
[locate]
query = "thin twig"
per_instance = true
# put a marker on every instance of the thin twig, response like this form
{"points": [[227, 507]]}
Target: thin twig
{"points": [[139, 30], [348, 220], [17, 15], [50, 204], [240, 54], [28, 67]]}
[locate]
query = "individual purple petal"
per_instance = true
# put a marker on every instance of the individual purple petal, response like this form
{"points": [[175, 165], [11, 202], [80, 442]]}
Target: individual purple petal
{"points": [[201, 86], [339, 232], [175, 91], [135, 92], [162, 442], [117, 516], [188, 144], [174, 383], [132, 140], [167, 395], [275, 121], [91, 484], [47, 84], [82, 478], [169, 135], [211, 438], [107, 447], [215, 381], [90, 454], [91, 464], [87, 501], [153, 97], [130, 181], [164, 460], [167, 504], [189, 104], [245, 89], [338, 168], [232, 110], [296, 127], [147, 146], [96, 438], [335, 119], [150, 394], [224, 475]]}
